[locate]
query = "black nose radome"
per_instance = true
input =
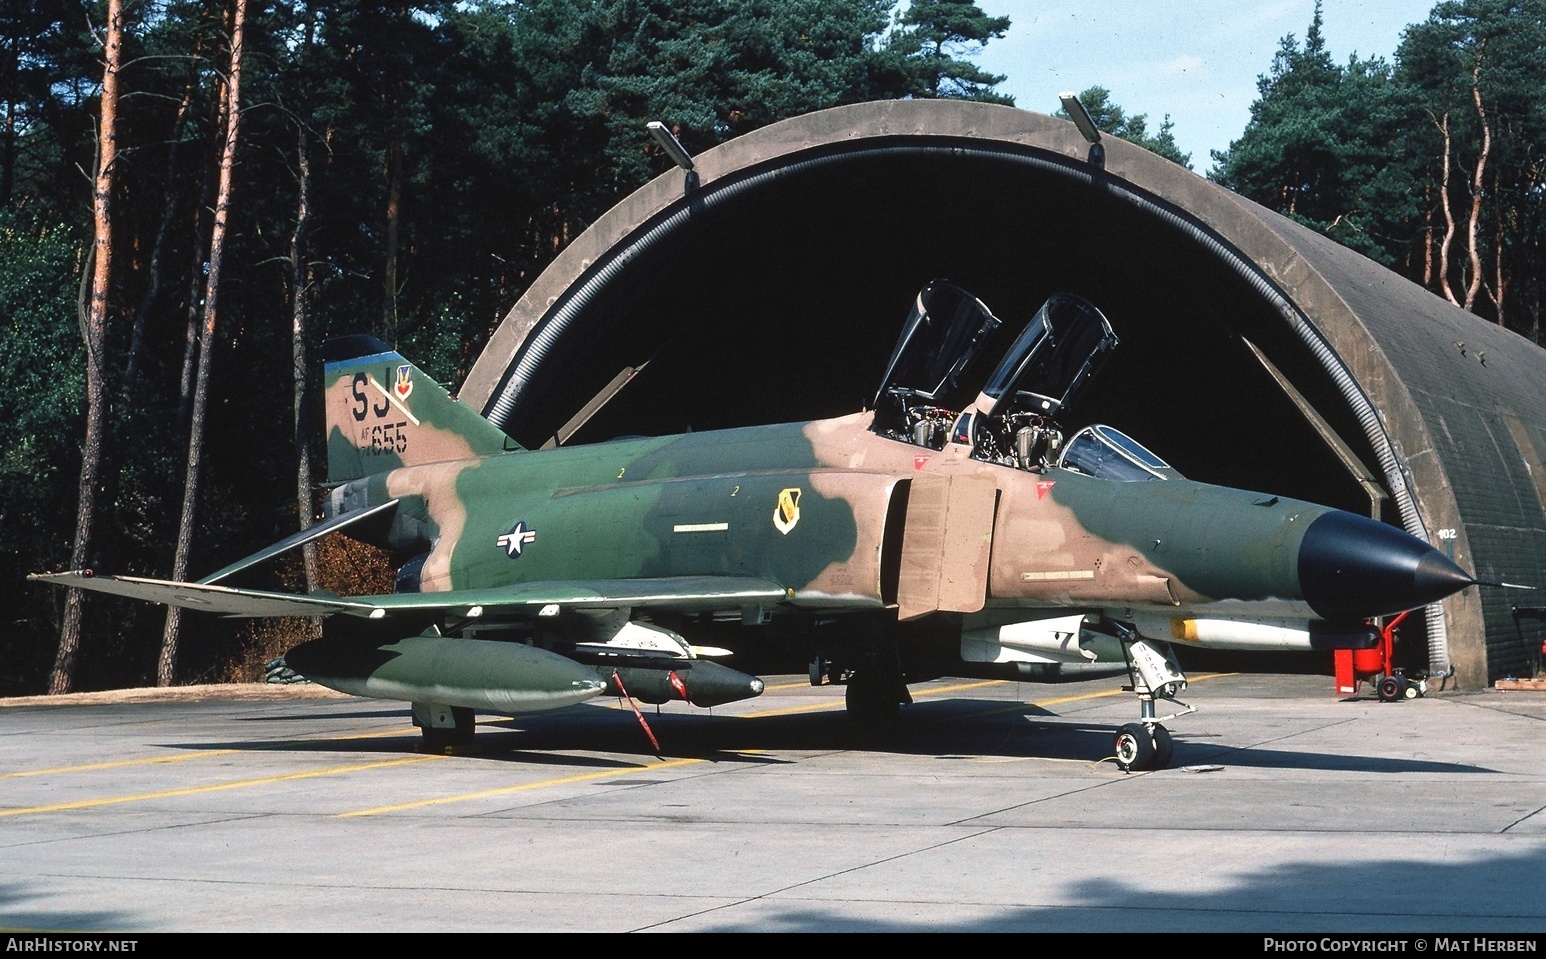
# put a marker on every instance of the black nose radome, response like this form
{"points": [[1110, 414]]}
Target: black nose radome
{"points": [[1353, 567]]}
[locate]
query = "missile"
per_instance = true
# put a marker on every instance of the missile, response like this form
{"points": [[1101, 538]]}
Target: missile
{"points": [[696, 681], [1266, 635], [497, 677]]}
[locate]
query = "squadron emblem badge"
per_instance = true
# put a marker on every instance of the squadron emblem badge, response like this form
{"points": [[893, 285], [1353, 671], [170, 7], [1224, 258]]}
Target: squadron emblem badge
{"points": [[787, 512]]}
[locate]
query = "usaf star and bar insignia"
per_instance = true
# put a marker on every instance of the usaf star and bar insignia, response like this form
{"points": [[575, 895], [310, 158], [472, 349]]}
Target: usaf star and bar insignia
{"points": [[514, 541]]}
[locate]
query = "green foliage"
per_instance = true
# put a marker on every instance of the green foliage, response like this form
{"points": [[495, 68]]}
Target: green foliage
{"points": [[507, 126], [935, 41], [1487, 51], [1309, 148], [1111, 118], [42, 407], [1362, 153]]}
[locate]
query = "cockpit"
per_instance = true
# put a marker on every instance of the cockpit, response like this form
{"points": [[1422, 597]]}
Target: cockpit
{"points": [[1106, 452], [939, 388]]}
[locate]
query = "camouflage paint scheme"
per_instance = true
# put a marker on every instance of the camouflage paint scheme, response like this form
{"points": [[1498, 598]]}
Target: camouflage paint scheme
{"points": [[704, 504]]}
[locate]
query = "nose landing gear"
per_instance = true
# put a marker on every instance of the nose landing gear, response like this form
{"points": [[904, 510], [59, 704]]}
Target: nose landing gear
{"points": [[1155, 674]]}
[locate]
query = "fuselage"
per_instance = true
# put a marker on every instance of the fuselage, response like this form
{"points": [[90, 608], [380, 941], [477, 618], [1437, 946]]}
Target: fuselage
{"points": [[823, 509]]}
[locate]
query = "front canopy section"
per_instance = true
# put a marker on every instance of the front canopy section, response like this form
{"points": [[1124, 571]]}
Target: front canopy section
{"points": [[1106, 452], [938, 390]]}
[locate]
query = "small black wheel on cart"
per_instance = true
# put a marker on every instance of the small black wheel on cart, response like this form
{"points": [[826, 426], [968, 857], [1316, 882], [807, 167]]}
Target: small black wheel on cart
{"points": [[1390, 689]]}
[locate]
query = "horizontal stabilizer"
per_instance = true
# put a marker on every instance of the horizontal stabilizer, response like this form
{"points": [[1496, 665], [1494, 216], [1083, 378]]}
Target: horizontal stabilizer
{"points": [[305, 536], [682, 593]]}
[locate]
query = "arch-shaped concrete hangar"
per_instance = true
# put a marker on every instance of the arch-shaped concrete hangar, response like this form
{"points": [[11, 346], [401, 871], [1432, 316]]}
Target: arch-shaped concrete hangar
{"points": [[769, 286]]}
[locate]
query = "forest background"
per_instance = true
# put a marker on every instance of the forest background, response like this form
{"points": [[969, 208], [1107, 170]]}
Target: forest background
{"points": [[195, 193]]}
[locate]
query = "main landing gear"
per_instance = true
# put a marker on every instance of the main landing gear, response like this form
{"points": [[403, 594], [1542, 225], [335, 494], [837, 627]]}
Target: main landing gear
{"points": [[875, 692], [1155, 675]]}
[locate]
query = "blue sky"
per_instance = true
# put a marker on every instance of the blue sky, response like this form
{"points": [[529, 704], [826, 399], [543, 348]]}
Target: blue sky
{"points": [[1197, 61]]}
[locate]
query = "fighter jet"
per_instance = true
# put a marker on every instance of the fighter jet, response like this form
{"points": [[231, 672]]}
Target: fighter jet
{"points": [[951, 529]]}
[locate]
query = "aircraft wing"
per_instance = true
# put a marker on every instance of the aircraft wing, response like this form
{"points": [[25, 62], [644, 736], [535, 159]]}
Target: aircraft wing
{"points": [[684, 593]]}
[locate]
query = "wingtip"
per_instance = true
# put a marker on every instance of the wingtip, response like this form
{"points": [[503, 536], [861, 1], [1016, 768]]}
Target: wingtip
{"points": [[61, 577]]}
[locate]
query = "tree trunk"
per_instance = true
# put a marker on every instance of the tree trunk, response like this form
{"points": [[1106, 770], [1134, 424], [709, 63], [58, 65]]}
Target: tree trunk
{"points": [[1427, 232], [394, 176], [300, 282], [1472, 240], [195, 301], [1497, 290], [153, 280], [94, 332], [1449, 215], [166, 666]]}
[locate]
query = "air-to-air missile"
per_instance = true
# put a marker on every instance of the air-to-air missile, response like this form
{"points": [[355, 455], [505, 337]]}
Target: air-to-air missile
{"points": [[951, 529]]}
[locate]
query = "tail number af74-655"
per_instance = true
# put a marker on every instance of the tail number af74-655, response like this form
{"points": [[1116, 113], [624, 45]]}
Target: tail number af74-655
{"points": [[381, 439]]}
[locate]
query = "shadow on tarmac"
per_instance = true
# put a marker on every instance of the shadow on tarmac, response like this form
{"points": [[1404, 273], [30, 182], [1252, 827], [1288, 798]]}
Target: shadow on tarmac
{"points": [[936, 727]]}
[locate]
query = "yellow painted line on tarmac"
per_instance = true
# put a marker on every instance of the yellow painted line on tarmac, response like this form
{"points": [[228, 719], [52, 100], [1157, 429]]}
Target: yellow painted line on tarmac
{"points": [[216, 787], [1105, 693], [794, 710], [1044, 703], [117, 764], [774, 689], [936, 690], [837, 702], [505, 790], [204, 754]]}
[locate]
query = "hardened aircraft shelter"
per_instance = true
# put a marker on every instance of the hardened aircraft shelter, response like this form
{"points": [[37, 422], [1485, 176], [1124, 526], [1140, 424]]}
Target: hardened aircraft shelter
{"points": [[768, 285]]}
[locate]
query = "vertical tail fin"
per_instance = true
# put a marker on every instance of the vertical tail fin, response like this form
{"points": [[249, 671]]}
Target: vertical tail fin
{"points": [[383, 412]]}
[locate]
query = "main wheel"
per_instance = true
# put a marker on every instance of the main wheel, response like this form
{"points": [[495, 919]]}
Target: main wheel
{"points": [[872, 698], [1164, 747], [1134, 747]]}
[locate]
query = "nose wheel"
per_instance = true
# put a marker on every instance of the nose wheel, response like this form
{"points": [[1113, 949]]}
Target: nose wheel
{"points": [[1140, 747]]}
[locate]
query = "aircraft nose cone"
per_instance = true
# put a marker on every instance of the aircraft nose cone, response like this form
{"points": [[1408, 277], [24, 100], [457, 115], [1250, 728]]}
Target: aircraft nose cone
{"points": [[1353, 567]]}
